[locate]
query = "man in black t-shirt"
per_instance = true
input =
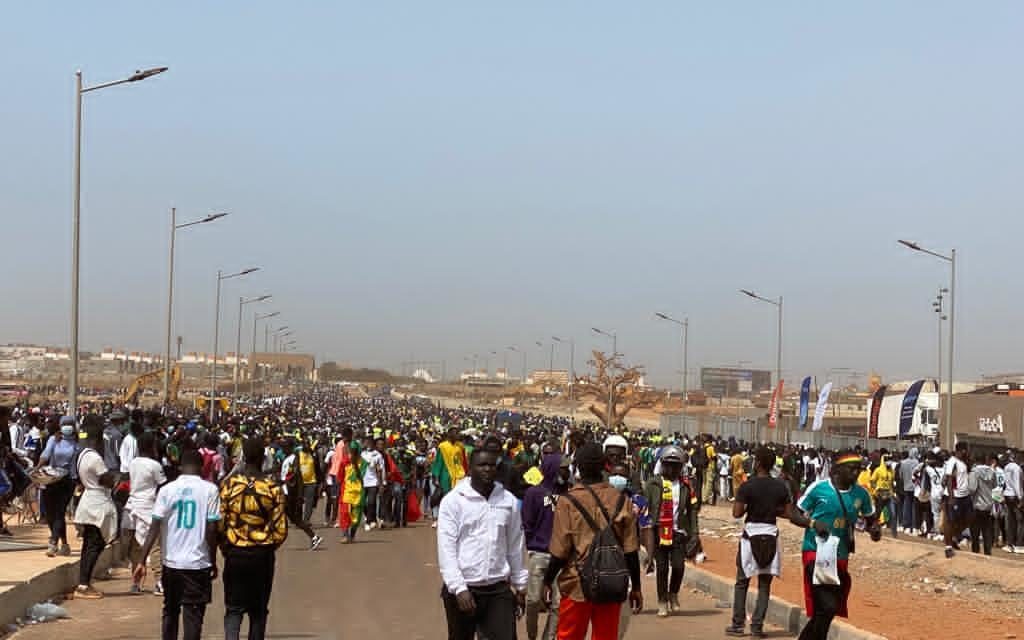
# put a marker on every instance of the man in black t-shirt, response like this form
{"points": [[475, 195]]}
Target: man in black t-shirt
{"points": [[762, 499]]}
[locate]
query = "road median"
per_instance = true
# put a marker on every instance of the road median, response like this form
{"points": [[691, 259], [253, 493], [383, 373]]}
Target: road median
{"points": [[781, 613]]}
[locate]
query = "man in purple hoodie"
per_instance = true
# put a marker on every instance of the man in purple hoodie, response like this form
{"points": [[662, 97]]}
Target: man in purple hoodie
{"points": [[538, 518]]}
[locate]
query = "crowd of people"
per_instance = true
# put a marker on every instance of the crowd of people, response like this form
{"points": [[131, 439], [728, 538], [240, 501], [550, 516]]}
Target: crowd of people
{"points": [[536, 516]]}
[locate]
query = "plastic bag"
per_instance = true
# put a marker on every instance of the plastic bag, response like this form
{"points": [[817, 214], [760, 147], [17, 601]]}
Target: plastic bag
{"points": [[826, 561], [45, 612]]}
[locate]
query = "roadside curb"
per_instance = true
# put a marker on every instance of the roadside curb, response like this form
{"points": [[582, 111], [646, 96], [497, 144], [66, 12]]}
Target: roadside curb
{"points": [[780, 612], [43, 586]]}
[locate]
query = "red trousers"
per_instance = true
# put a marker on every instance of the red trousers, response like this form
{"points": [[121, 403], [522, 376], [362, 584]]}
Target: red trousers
{"points": [[574, 618]]}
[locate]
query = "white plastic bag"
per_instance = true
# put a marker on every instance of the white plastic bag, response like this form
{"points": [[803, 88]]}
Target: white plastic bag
{"points": [[826, 561]]}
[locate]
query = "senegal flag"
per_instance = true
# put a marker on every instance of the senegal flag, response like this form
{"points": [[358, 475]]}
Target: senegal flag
{"points": [[449, 465]]}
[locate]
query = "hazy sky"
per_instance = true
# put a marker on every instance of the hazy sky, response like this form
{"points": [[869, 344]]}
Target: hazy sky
{"points": [[439, 179]]}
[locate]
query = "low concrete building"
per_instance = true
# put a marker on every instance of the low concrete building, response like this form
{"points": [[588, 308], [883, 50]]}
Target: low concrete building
{"points": [[992, 416]]}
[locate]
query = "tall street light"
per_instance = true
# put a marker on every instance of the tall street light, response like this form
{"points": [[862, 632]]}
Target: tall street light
{"points": [[76, 219], [611, 387], [937, 306], [170, 290], [684, 325], [951, 259], [279, 338], [266, 336], [256, 317], [778, 344], [238, 342], [216, 335], [572, 374], [522, 378]]}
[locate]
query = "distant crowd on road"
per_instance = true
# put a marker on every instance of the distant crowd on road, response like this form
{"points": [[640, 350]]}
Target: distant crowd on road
{"points": [[534, 514]]}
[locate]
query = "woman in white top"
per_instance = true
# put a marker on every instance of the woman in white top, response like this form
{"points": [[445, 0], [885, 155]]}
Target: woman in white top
{"points": [[95, 513]]}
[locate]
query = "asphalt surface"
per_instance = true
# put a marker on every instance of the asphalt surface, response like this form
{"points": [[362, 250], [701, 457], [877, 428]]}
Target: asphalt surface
{"points": [[386, 585]]}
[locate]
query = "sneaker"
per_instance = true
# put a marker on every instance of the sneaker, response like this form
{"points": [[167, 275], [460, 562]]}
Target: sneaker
{"points": [[673, 602], [85, 592], [51, 550], [433, 525], [662, 609], [135, 590], [65, 550], [158, 589], [1009, 549], [701, 557], [736, 631], [949, 552], [367, 527], [315, 543]]}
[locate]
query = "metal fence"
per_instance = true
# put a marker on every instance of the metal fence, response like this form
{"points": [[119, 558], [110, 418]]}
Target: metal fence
{"points": [[752, 429]]}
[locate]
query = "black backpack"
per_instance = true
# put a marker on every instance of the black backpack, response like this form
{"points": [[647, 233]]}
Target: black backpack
{"points": [[604, 576]]}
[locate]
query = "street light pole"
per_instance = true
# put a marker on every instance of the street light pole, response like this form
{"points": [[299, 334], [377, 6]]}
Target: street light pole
{"points": [[170, 292], [256, 317], [684, 326], [238, 343], [778, 355], [951, 259], [76, 222], [216, 336], [572, 376]]}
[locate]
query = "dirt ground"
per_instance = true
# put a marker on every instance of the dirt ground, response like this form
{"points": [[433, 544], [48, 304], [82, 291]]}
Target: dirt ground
{"points": [[901, 590]]}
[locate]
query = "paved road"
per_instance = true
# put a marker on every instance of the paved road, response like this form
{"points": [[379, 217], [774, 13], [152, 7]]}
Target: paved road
{"points": [[385, 586]]}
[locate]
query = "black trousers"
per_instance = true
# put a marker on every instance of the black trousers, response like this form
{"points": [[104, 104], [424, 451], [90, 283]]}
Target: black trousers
{"points": [[982, 530], [55, 506], [494, 619], [370, 511], [248, 578], [186, 594], [92, 547], [669, 557], [393, 504], [827, 600]]}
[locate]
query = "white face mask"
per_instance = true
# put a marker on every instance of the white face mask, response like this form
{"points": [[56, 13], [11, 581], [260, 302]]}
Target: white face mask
{"points": [[618, 482]]}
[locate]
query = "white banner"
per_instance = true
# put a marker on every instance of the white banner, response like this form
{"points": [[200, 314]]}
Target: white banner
{"points": [[821, 407]]}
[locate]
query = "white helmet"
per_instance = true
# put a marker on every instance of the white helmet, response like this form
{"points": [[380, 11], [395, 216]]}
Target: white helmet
{"points": [[615, 441]]}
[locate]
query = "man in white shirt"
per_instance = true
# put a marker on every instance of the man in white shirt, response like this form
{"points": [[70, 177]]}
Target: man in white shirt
{"points": [[185, 516], [480, 550], [1012, 494], [959, 507], [371, 482], [130, 446], [146, 476]]}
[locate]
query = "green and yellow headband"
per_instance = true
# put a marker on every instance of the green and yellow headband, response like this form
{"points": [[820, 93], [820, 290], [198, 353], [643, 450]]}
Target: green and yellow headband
{"points": [[848, 459]]}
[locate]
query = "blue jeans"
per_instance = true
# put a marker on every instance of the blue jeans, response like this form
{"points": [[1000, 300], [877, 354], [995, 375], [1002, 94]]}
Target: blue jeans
{"points": [[907, 510]]}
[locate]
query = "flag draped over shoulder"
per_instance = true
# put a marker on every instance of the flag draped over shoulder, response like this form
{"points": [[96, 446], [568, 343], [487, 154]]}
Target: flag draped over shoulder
{"points": [[450, 464], [348, 467]]}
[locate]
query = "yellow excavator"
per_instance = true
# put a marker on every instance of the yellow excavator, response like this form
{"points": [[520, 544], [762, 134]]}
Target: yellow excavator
{"points": [[131, 394]]}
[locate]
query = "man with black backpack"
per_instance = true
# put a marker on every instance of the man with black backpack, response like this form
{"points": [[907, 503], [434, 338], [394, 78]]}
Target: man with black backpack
{"points": [[594, 553]]}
